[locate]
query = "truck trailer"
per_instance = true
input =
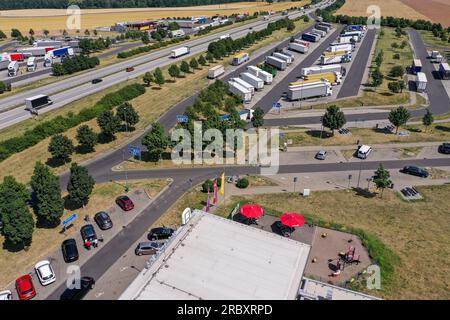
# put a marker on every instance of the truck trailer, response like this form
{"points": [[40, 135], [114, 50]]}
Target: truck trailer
{"points": [[246, 114], [31, 64], [276, 62], [4, 64], [348, 39], [335, 59], [178, 52], [256, 82], [37, 102], [347, 47], [240, 58], [444, 71], [310, 37], [48, 43], [333, 77], [61, 52], [312, 90], [216, 71], [321, 32], [416, 66], [320, 69], [298, 47], [421, 82], [321, 27], [244, 84], [284, 57], [17, 56], [35, 51], [302, 42], [240, 91], [261, 74]]}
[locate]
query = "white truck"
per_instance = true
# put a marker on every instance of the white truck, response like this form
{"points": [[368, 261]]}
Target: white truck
{"points": [[13, 68], [225, 36], [302, 42], [348, 47], [256, 82], [4, 64], [335, 59], [244, 84], [240, 91], [421, 82], [178, 52], [311, 90], [276, 62], [37, 102], [321, 32], [246, 114], [298, 47], [284, 57], [343, 39], [263, 75], [320, 69], [31, 64], [216, 71]]}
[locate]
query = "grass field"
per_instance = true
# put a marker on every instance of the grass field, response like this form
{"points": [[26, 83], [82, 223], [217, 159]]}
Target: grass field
{"points": [[417, 232], [55, 20], [47, 240]]}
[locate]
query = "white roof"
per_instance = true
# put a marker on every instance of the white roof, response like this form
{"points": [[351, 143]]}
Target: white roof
{"points": [[216, 258], [421, 77], [314, 289], [364, 148], [243, 83], [36, 97], [251, 76], [239, 87], [417, 62], [445, 66]]}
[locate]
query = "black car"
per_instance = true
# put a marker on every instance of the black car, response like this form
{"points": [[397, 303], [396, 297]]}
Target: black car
{"points": [[445, 148], [69, 250], [415, 171], [94, 81], [103, 220], [160, 233], [86, 284], [88, 233]]}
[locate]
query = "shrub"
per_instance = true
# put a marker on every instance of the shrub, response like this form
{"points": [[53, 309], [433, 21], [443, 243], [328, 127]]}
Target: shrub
{"points": [[242, 183]]}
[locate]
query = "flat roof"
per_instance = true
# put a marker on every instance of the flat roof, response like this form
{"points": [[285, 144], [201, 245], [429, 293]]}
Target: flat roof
{"points": [[316, 290], [216, 258], [421, 77]]}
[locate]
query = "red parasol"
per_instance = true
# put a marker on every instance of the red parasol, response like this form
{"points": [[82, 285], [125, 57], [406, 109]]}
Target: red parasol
{"points": [[292, 219], [252, 211]]}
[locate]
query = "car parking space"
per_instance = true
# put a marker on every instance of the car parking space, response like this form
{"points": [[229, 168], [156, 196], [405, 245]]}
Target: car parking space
{"points": [[310, 156]]}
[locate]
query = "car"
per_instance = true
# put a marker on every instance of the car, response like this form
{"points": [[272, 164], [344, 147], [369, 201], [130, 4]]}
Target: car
{"points": [[86, 284], [415, 171], [321, 155], [88, 233], [5, 295], [444, 148], [160, 233], [148, 248], [103, 220], [25, 288], [94, 81], [125, 203], [69, 250], [45, 272], [129, 69], [283, 229]]}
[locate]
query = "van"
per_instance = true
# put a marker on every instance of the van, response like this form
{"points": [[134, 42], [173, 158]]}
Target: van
{"points": [[363, 151]]}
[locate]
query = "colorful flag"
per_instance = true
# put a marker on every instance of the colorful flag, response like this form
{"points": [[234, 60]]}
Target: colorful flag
{"points": [[207, 203], [215, 192], [222, 184]]}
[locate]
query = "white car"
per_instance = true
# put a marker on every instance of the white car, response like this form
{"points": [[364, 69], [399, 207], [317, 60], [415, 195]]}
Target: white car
{"points": [[45, 272], [5, 295]]}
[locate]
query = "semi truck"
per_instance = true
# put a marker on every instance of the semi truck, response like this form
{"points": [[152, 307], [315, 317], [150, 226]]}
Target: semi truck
{"points": [[263, 75], [421, 82], [276, 62], [416, 66], [60, 52], [256, 82], [246, 114], [297, 47], [17, 56], [31, 64], [284, 57], [444, 71], [240, 91], [216, 71], [310, 37], [302, 42], [321, 32], [348, 39], [334, 53], [321, 27], [333, 77], [244, 84], [335, 59], [35, 51], [178, 52], [347, 47], [320, 69], [13, 68], [48, 43], [240, 58], [356, 27], [311, 90], [37, 102], [358, 34], [316, 34]]}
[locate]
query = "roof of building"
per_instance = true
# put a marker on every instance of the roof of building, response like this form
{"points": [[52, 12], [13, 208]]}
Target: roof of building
{"points": [[216, 258]]}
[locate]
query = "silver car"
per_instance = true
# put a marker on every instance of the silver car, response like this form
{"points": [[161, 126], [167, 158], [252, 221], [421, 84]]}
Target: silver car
{"points": [[321, 155], [148, 247]]}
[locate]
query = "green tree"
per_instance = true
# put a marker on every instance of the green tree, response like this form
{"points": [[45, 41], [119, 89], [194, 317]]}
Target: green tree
{"points": [[377, 77], [15, 33], [184, 67], [145, 38], [80, 186], [156, 141], [86, 138], [402, 85], [398, 117], [159, 77], [193, 63], [382, 178], [428, 119], [18, 223], [202, 61], [148, 78], [46, 32], [394, 45], [397, 71], [128, 114], [394, 86], [2, 35], [396, 56], [209, 57], [3, 87], [109, 123], [174, 71], [58, 69], [48, 204], [61, 148], [333, 118], [258, 118], [87, 33], [31, 32], [230, 104]]}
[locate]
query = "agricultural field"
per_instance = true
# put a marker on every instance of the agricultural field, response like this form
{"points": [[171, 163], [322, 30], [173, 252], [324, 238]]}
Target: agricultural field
{"points": [[54, 20], [435, 10]]}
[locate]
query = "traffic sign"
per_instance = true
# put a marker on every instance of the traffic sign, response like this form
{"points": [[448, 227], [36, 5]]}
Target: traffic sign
{"points": [[224, 117], [134, 151], [69, 219], [182, 118]]}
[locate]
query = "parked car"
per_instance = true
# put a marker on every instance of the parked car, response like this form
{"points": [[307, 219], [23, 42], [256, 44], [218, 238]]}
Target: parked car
{"points": [[25, 288], [129, 69], [160, 233], [95, 81], [5, 295], [125, 203], [283, 229], [86, 284], [45, 272], [69, 250], [415, 171], [103, 220], [88, 233], [444, 148], [148, 248], [321, 155]]}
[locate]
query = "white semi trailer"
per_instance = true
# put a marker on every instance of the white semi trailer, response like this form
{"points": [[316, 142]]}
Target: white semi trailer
{"points": [[298, 47], [316, 89], [240, 91], [261, 74], [276, 62], [320, 69], [284, 57], [256, 82], [244, 84]]}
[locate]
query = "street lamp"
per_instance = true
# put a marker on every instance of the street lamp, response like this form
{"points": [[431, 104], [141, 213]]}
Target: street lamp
{"points": [[349, 179]]}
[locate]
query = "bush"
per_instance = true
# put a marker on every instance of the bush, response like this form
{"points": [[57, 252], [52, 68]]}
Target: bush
{"points": [[75, 64], [242, 183], [145, 49], [209, 185]]}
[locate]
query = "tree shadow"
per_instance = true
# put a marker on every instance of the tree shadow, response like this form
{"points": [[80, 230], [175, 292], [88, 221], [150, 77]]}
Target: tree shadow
{"points": [[442, 128], [83, 149], [364, 193], [55, 163], [157, 88], [386, 94], [319, 133], [171, 80], [11, 247], [103, 138], [70, 205]]}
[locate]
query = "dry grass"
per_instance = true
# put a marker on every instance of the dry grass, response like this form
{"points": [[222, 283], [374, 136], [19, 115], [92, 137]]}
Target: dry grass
{"points": [[260, 181], [45, 241], [417, 232], [436, 173], [55, 20], [410, 152]]}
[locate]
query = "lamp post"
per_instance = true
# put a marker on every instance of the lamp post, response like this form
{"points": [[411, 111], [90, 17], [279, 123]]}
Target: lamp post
{"points": [[349, 179]]}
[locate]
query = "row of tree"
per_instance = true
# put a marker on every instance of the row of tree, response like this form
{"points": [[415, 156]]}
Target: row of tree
{"points": [[91, 45], [75, 64]]}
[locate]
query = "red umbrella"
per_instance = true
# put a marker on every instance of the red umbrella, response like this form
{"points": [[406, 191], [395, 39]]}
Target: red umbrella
{"points": [[292, 219], [252, 211]]}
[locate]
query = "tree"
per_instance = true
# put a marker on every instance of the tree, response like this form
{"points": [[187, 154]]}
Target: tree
{"points": [[382, 178], [31, 32], [48, 203], [80, 186], [127, 114], [202, 61], [109, 123], [15, 33], [428, 119], [184, 67], [18, 223], [230, 104], [242, 183], [396, 56], [86, 138], [148, 78], [174, 71], [145, 38], [377, 77], [394, 45], [61, 148], [209, 57], [394, 86], [3, 87], [398, 117], [193, 63], [402, 85], [156, 141], [46, 32], [87, 33], [2, 35], [397, 71], [333, 118], [159, 77], [258, 118]]}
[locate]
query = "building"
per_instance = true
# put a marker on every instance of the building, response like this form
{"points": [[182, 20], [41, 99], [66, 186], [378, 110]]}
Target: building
{"points": [[211, 257], [315, 290]]}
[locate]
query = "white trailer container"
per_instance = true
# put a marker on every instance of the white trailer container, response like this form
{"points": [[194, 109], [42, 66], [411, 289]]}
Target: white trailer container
{"points": [[302, 42], [421, 82], [48, 43], [321, 27], [319, 35], [284, 57], [178, 52], [13, 68], [246, 114], [37, 102], [297, 47], [244, 84], [261, 74], [320, 69], [444, 71], [34, 51], [276, 62], [321, 32], [347, 39], [312, 90], [256, 82], [335, 59], [31, 64], [240, 91], [348, 47], [216, 71]]}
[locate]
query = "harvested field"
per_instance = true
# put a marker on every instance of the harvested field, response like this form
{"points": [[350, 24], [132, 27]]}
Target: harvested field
{"points": [[435, 10]]}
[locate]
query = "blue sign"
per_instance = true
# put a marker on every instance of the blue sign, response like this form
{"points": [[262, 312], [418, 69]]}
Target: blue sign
{"points": [[69, 219], [224, 117], [276, 105], [182, 118], [134, 151]]}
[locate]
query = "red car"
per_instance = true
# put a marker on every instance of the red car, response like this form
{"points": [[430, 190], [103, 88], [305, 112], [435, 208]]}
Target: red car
{"points": [[25, 287], [129, 69], [125, 203]]}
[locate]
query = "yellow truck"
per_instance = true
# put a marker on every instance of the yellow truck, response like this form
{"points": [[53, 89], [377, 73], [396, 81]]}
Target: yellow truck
{"points": [[304, 82], [336, 53], [240, 58], [332, 77]]}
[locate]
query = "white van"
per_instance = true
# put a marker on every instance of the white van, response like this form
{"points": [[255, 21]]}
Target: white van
{"points": [[364, 151]]}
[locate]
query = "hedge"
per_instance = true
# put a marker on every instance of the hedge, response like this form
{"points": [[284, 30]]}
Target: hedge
{"points": [[60, 124], [144, 49]]}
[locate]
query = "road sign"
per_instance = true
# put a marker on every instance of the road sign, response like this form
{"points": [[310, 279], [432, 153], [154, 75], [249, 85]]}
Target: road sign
{"points": [[69, 219], [134, 151], [182, 118], [224, 117]]}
